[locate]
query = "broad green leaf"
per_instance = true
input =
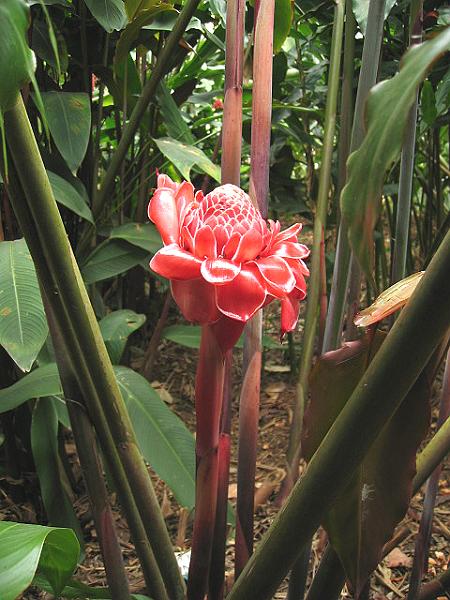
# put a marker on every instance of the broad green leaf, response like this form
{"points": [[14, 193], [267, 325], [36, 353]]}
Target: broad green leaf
{"points": [[109, 259], [116, 328], [184, 157], [23, 326], [365, 514], [42, 44], [69, 120], [284, 12], [189, 336], [16, 57], [40, 383], [142, 235], [173, 119], [443, 93], [52, 477], [361, 10], [428, 103], [131, 31], [165, 441], [69, 197], [109, 13], [387, 112], [26, 548]]}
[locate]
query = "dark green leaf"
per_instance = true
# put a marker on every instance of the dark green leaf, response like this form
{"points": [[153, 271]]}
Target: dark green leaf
{"points": [[41, 382], [42, 44], [52, 478], [69, 197], [109, 259], [189, 336], [365, 514], [164, 440], [142, 235], [16, 57], [109, 13], [116, 328], [25, 548], [69, 120], [23, 326], [428, 103], [177, 127], [184, 157], [387, 112]]}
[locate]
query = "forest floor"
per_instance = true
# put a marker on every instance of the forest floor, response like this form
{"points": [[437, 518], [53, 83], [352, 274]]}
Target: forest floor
{"points": [[174, 379]]}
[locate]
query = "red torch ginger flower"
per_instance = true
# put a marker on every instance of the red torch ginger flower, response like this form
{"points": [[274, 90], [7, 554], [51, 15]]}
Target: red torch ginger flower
{"points": [[222, 257]]}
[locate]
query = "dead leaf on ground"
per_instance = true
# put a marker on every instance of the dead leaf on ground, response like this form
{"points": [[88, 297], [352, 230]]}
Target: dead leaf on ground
{"points": [[397, 558]]}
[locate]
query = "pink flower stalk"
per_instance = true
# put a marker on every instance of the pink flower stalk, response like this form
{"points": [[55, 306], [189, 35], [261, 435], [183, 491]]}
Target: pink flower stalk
{"points": [[222, 257]]}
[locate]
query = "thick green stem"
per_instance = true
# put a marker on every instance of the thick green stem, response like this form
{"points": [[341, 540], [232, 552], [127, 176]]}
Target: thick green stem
{"points": [[76, 356], [367, 79], [320, 218], [259, 192], [407, 163], [208, 403], [100, 385], [370, 407]]}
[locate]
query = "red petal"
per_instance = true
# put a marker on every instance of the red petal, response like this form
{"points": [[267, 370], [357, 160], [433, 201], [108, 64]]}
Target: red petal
{"points": [[242, 297], [231, 246], [196, 299], [289, 313], [290, 232], [183, 197], [219, 270], [277, 274], [162, 211], [175, 263], [249, 246], [205, 243], [164, 181], [289, 250]]}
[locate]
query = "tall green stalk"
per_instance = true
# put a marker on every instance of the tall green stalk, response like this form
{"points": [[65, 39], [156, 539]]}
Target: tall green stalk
{"points": [[369, 408], [367, 79], [407, 162], [258, 191], [98, 383], [320, 218], [27, 224]]}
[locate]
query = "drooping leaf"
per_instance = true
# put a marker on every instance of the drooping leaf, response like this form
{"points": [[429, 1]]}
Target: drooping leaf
{"points": [[40, 383], [51, 475], [165, 441], [23, 326], [361, 10], [116, 328], [184, 157], [365, 514], [130, 33], [69, 197], [142, 235], [16, 58], [387, 112], [177, 127], [50, 48], [428, 103], [69, 120], [109, 13], [189, 336], [284, 12], [26, 548], [389, 301], [109, 259]]}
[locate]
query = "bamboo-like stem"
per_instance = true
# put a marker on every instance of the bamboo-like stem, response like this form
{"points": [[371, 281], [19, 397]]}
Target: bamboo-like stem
{"points": [[259, 192], [158, 71], [436, 588], [320, 218], [367, 79], [423, 537], [208, 403], [299, 575], [85, 442], [369, 408], [407, 162], [329, 578], [27, 224], [100, 385]]}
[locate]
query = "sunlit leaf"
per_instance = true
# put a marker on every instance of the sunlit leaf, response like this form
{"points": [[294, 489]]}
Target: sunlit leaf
{"points": [[69, 196], [389, 301], [284, 12], [116, 329], [387, 113], [142, 235], [109, 13], [23, 326], [184, 157]]}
